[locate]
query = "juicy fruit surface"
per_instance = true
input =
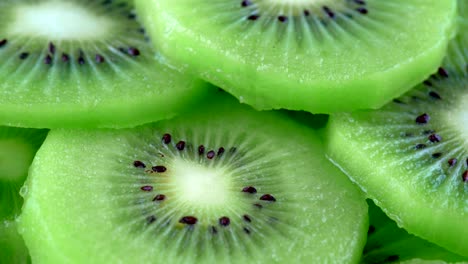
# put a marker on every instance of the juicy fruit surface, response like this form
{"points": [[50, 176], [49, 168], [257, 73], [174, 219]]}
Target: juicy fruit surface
{"points": [[386, 242], [84, 64], [224, 184], [322, 57], [411, 157]]}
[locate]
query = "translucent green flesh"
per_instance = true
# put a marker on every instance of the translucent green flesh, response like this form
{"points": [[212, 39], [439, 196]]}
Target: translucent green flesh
{"points": [[85, 192], [311, 63], [75, 88], [387, 242], [419, 182]]}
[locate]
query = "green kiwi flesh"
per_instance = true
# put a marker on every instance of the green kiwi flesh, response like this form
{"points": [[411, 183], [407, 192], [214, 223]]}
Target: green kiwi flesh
{"points": [[318, 56], [388, 243], [84, 64], [411, 156], [224, 184]]}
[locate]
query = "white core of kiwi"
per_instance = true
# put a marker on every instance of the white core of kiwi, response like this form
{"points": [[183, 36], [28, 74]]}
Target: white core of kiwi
{"points": [[198, 185], [59, 20]]}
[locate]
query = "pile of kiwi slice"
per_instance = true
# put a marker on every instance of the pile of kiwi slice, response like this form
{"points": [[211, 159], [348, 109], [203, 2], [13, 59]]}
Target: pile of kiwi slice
{"points": [[234, 131]]}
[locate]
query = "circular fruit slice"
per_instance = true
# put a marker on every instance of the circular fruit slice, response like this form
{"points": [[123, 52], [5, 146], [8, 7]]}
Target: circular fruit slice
{"points": [[320, 56], [411, 157], [226, 184], [84, 64]]}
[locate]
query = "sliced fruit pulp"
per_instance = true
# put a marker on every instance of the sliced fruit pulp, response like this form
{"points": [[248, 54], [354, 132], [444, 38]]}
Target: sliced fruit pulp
{"points": [[330, 65], [106, 201], [84, 64], [411, 156]]}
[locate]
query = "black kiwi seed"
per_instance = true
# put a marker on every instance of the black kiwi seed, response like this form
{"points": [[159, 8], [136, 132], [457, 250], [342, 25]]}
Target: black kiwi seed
{"points": [[133, 51], [420, 146], [159, 169], [139, 164], [306, 12], [437, 155], [371, 230], [65, 57], [428, 83], [452, 162], [422, 119], [214, 230], [51, 48], [247, 218], [147, 188], [282, 19], [253, 17], [224, 221], [328, 11], [210, 154], [442, 72], [166, 138], [99, 58], [23, 55], [465, 176], [150, 219], [221, 151], [131, 16], [81, 60], [435, 95], [360, 2], [435, 138], [268, 197], [362, 10], [246, 3], [48, 60], [3, 42], [188, 220], [398, 101], [201, 150], [180, 145], [249, 189], [259, 206], [247, 231], [159, 197]]}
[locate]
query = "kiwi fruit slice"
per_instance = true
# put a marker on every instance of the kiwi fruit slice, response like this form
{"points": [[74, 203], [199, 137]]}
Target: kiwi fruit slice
{"points": [[223, 184], [84, 64], [387, 243], [411, 157], [319, 56]]}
